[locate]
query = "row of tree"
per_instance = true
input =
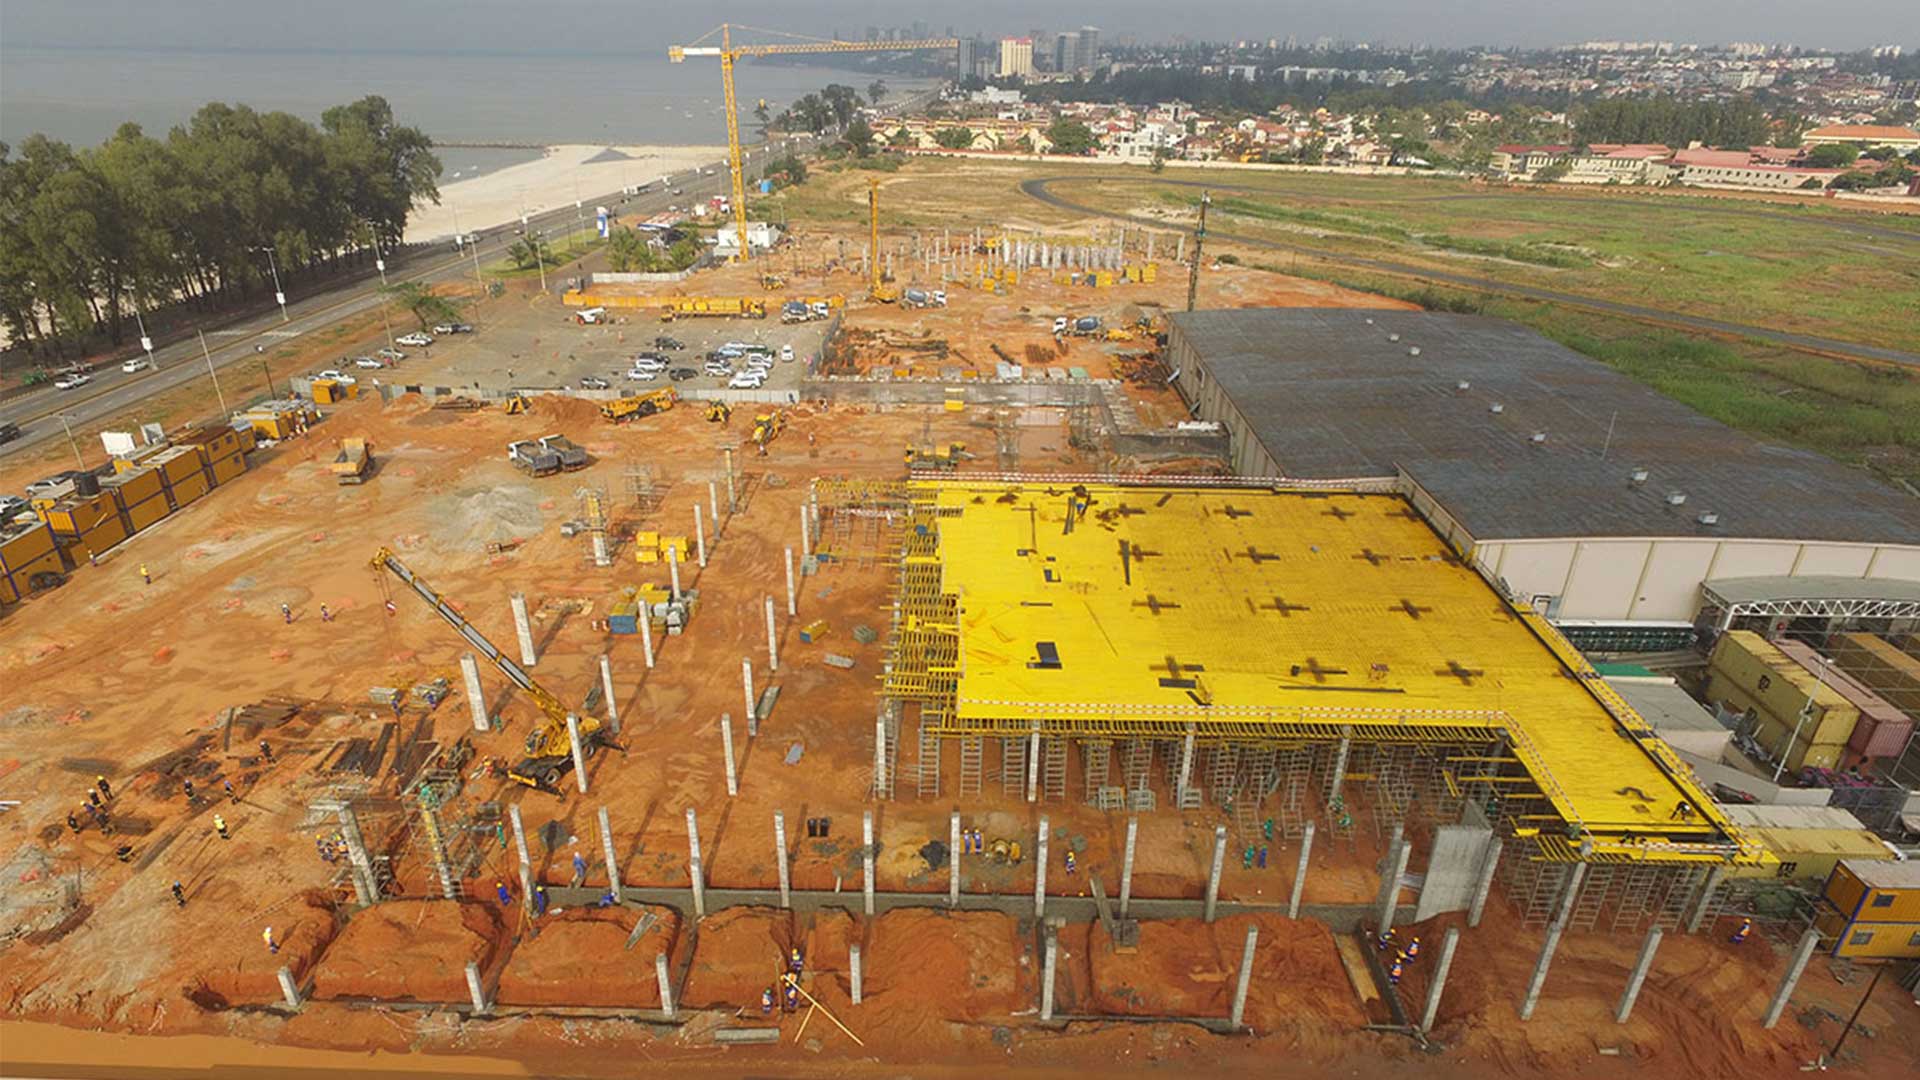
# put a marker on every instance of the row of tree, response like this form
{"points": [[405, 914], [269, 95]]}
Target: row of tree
{"points": [[89, 236], [1672, 122]]}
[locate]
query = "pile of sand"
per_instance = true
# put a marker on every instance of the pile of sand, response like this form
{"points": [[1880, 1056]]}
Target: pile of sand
{"points": [[740, 952], [411, 950], [579, 957], [469, 519]]}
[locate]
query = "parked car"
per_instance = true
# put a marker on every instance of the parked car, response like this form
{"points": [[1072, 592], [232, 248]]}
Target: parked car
{"points": [[416, 339], [642, 375], [391, 354], [71, 381], [11, 505], [336, 375], [593, 382], [452, 328], [747, 380], [664, 342], [367, 362], [786, 354], [9, 431], [682, 374], [138, 363], [47, 485]]}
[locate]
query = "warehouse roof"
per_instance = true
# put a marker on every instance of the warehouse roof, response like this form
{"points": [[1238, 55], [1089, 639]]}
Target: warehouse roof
{"points": [[1752, 590], [1334, 393]]}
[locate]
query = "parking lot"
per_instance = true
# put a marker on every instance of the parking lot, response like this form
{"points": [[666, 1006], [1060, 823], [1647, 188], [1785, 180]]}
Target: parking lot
{"points": [[541, 346]]}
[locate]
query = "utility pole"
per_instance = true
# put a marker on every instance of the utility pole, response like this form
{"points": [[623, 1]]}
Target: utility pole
{"points": [[77, 459], [1199, 239], [208, 353]]}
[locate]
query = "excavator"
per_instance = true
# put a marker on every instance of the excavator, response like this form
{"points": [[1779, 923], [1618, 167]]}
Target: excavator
{"points": [[549, 747], [633, 407], [719, 412], [767, 427]]}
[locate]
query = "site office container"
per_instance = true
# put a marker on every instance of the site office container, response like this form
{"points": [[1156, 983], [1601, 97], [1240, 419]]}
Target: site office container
{"points": [[133, 485], [148, 512], [189, 488], [108, 532], [227, 468], [75, 514], [214, 442], [141, 458], [26, 552], [1748, 673], [1873, 908], [7, 595]]}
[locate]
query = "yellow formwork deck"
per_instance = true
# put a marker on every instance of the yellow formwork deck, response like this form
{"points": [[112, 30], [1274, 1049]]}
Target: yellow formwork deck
{"points": [[1243, 611]]}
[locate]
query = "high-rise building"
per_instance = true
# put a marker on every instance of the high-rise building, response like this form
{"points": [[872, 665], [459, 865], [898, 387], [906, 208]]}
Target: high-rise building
{"points": [[1016, 58], [1066, 51], [1087, 49]]}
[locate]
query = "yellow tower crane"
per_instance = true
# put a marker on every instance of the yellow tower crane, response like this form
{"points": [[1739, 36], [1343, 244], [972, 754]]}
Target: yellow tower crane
{"points": [[728, 52], [876, 285]]}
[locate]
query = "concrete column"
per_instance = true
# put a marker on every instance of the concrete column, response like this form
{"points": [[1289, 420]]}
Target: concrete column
{"points": [[1300, 872], [1390, 884], [1634, 981], [357, 854], [880, 759], [673, 570], [600, 556], [1033, 766], [853, 971], [1040, 871], [1186, 772], [866, 861], [666, 983], [713, 506], [1126, 864], [746, 687], [474, 988], [606, 849], [726, 751], [523, 628], [1046, 977], [606, 690], [1213, 875], [1552, 943], [579, 753], [694, 871], [1340, 765], [773, 639], [793, 608], [1441, 966], [1801, 954], [806, 537], [476, 695], [733, 501], [1246, 976], [438, 849], [646, 632], [699, 536], [1705, 899], [1489, 862], [780, 857], [288, 988], [953, 860], [526, 888], [519, 834]]}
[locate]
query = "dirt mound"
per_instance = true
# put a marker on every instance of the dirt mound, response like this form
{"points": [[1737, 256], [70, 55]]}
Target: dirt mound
{"points": [[468, 519], [579, 957], [1184, 967], [579, 413], [963, 965], [738, 953], [236, 964], [411, 950]]}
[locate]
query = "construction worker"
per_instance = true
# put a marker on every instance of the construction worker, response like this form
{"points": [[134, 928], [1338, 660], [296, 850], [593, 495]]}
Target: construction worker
{"points": [[766, 1002], [1413, 950], [793, 991], [220, 826], [144, 575], [1394, 972], [73, 823], [506, 895], [179, 895], [1266, 829], [92, 811], [1013, 852], [232, 795], [1246, 858], [106, 789], [286, 613], [265, 750], [1260, 860], [325, 615], [795, 963], [1742, 934], [124, 853], [539, 900], [189, 787], [267, 936], [579, 869], [106, 824], [93, 796], [1071, 864], [1384, 941]]}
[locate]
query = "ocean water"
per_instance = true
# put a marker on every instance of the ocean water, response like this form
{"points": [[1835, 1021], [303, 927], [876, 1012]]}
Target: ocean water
{"points": [[82, 94]]}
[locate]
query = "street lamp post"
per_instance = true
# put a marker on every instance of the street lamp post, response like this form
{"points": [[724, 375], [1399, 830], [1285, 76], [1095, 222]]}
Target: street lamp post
{"points": [[77, 459], [279, 295], [379, 261], [208, 353], [539, 257], [145, 341]]}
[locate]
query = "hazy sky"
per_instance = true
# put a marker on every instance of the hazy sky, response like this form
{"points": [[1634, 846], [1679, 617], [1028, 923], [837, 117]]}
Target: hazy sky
{"points": [[606, 25]]}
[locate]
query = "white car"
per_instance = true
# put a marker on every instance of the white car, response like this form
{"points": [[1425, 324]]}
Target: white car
{"points": [[1059, 325], [68, 382], [336, 375], [747, 380], [367, 362], [138, 363], [786, 354], [391, 354], [417, 340], [638, 375]]}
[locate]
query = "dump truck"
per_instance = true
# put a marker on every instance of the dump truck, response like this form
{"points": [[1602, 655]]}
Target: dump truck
{"points": [[354, 461], [536, 459], [573, 457], [635, 406]]}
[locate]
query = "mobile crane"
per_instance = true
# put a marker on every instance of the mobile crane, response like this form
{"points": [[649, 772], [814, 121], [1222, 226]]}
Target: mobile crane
{"points": [[549, 747]]}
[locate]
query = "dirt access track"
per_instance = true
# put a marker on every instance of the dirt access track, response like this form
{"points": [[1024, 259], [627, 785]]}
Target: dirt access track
{"points": [[110, 676]]}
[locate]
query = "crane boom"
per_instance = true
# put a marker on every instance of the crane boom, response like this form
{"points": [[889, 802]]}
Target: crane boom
{"points": [[385, 559], [727, 52]]}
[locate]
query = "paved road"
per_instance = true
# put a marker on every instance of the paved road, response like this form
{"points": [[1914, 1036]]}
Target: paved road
{"points": [[1040, 189], [113, 392]]}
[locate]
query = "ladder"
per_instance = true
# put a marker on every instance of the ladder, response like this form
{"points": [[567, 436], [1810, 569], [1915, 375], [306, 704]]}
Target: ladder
{"points": [[929, 760], [1013, 766], [970, 765], [1053, 769], [1097, 765]]}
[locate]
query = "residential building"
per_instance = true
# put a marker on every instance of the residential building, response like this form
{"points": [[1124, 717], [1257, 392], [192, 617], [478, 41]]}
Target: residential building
{"points": [[1016, 58], [1745, 168], [1870, 134]]}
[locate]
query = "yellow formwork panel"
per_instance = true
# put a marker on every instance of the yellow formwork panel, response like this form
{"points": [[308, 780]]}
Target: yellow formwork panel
{"points": [[1301, 611]]}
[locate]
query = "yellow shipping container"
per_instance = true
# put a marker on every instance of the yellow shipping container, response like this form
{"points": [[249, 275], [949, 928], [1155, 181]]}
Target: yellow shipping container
{"points": [[25, 547], [226, 468], [7, 595], [102, 537], [246, 438], [130, 486], [178, 464], [76, 514], [1873, 908], [185, 491], [22, 575], [646, 547], [1150, 273], [1774, 734], [1748, 673], [216, 442], [144, 515]]}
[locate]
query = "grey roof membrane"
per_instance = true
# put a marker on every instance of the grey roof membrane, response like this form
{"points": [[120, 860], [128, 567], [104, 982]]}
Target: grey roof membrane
{"points": [[1330, 393]]}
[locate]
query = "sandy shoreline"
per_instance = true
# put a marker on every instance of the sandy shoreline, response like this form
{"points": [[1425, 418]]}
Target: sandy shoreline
{"points": [[555, 180]]}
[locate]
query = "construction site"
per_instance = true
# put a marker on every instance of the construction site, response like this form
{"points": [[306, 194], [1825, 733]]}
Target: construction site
{"points": [[959, 697]]}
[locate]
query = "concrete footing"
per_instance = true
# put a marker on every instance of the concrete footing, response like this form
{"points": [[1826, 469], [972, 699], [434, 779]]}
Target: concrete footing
{"points": [[646, 637], [780, 857], [1483, 887], [853, 972], [726, 753], [476, 694], [793, 607], [1046, 977], [606, 689], [607, 851], [1040, 872], [579, 753], [1395, 869], [953, 859], [289, 990], [866, 861]]}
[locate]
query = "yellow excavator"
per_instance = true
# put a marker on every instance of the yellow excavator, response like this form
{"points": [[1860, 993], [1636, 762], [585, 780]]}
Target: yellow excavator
{"points": [[719, 412], [767, 427], [549, 747], [633, 407]]}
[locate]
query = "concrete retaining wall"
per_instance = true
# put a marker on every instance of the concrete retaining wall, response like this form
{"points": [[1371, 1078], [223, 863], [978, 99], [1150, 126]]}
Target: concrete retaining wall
{"points": [[1453, 868]]}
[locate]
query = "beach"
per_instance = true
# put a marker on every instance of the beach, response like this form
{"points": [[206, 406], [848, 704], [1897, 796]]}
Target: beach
{"points": [[556, 179]]}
